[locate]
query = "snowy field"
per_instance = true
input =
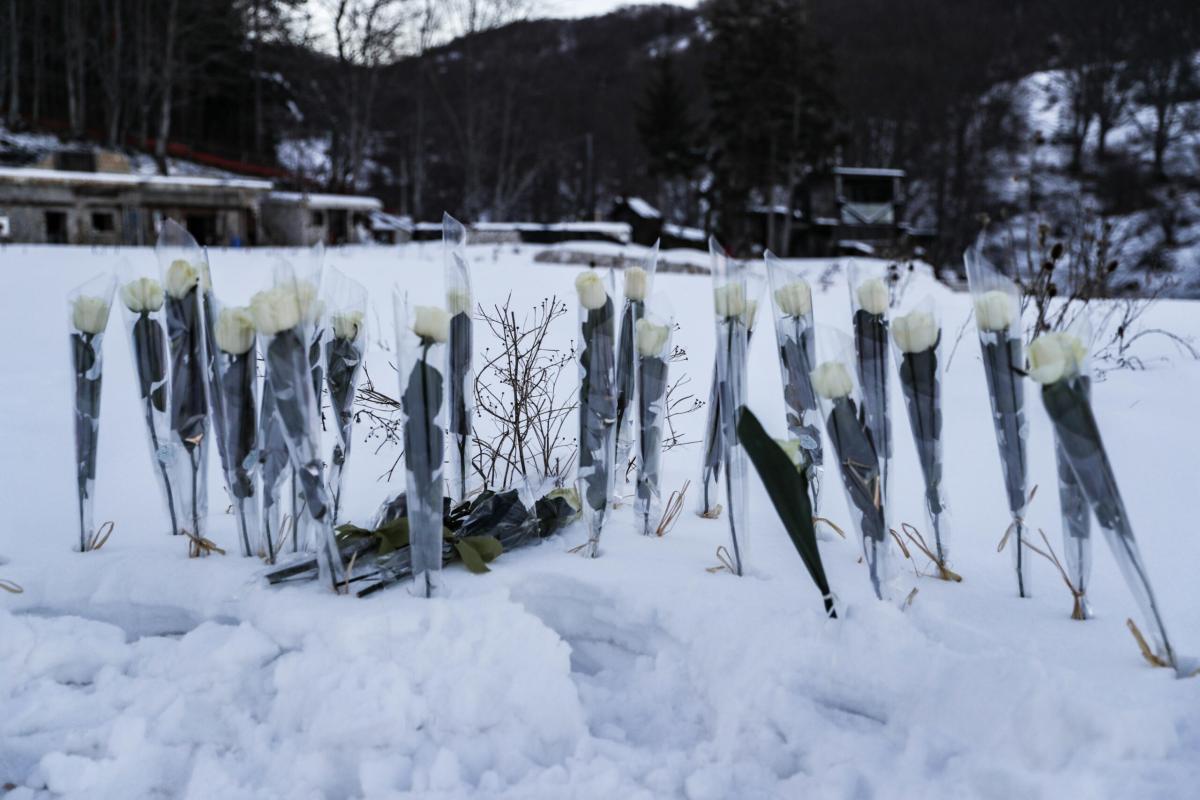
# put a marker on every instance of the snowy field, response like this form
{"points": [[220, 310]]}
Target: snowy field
{"points": [[135, 672]]}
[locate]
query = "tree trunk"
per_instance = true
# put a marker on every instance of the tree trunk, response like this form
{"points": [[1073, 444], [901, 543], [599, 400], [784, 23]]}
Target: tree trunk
{"points": [[168, 87], [14, 54]]}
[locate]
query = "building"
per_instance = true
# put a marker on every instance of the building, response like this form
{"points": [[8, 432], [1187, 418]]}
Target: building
{"points": [[92, 197], [69, 206], [290, 218], [844, 210]]}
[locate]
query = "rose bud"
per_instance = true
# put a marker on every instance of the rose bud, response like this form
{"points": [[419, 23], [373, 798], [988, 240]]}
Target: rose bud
{"points": [[651, 338], [590, 287], [431, 323], [730, 300], [182, 277], [873, 296], [794, 299], [915, 332], [1055, 356], [635, 283], [89, 314], [142, 295], [346, 324], [458, 301], [235, 330], [994, 311], [275, 310], [831, 380]]}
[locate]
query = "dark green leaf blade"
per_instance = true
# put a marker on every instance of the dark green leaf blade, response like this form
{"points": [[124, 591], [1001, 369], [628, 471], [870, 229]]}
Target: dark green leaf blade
{"points": [[788, 490]]}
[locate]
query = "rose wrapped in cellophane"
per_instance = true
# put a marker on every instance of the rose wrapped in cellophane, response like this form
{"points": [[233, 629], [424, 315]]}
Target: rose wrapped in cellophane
{"points": [[421, 335], [275, 469], [652, 342], [311, 270], [142, 299], [854, 446], [795, 337], [87, 317], [713, 450], [285, 317], [917, 337], [998, 318], [735, 291], [460, 394], [870, 300], [597, 403], [184, 269], [345, 347], [1056, 362], [235, 365], [638, 282]]}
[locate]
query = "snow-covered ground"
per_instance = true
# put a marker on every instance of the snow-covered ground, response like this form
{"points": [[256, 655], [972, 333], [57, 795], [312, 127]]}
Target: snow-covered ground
{"points": [[136, 672]]}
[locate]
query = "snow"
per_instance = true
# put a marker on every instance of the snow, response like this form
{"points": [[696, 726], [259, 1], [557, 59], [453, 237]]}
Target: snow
{"points": [[135, 672], [37, 175], [643, 209], [311, 200]]}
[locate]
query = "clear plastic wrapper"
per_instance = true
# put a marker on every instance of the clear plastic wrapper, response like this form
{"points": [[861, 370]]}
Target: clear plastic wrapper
{"points": [[310, 268], [917, 345], [597, 402], [712, 453], [460, 396], [421, 336], [87, 317], [142, 300], [796, 340], [234, 360], [285, 317], [345, 348], [638, 283], [652, 349], [998, 319], [275, 470], [736, 289], [835, 382], [184, 269], [870, 303], [1057, 363]]}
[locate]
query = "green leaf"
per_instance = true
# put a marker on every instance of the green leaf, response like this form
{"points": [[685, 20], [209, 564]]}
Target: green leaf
{"points": [[471, 558], [393, 535], [488, 547], [788, 490]]}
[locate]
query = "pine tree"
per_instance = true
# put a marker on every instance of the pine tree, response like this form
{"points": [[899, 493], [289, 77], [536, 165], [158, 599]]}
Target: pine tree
{"points": [[667, 131]]}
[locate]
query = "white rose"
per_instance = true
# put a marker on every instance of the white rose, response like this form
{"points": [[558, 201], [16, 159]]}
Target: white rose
{"points": [[730, 300], [636, 280], [590, 287], [915, 332], [458, 301], [794, 299], [873, 296], [275, 311], [142, 294], [1054, 356], [235, 330], [831, 380], [89, 314], [651, 338], [182, 277], [431, 323], [346, 324], [994, 311]]}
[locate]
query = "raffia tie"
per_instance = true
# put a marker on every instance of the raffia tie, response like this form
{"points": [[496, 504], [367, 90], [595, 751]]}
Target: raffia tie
{"points": [[726, 562]]}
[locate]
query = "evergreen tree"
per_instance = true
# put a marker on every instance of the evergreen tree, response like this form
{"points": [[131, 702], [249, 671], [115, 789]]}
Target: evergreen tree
{"points": [[665, 124], [769, 84]]}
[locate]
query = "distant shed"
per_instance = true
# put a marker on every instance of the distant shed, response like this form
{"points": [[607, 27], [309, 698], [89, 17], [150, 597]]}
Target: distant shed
{"points": [[295, 218], [644, 220]]}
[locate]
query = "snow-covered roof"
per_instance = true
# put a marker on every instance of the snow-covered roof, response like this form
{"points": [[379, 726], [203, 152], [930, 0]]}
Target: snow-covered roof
{"points": [[39, 175], [351, 202], [643, 209], [382, 221], [681, 232], [856, 246], [873, 172]]}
